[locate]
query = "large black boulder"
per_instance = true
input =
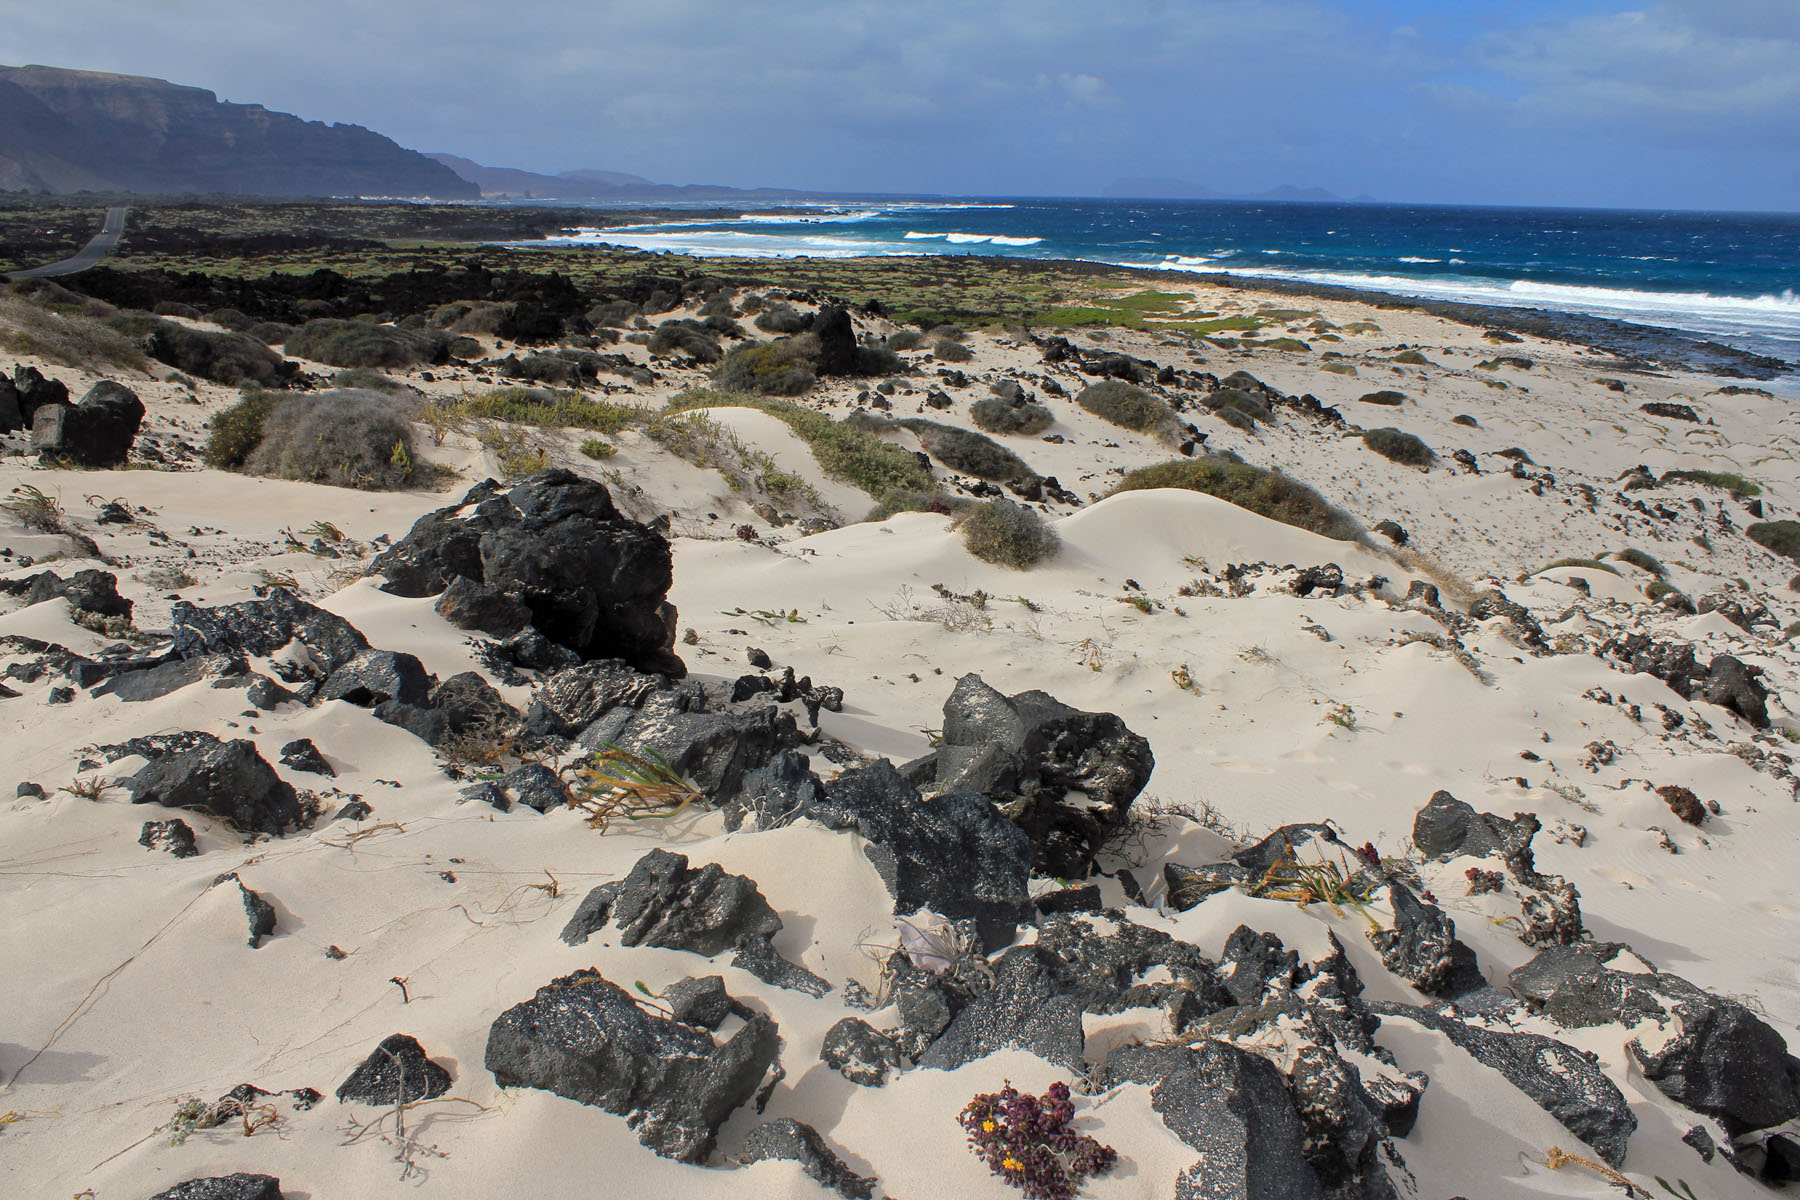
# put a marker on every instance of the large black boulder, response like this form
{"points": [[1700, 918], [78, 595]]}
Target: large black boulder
{"points": [[32, 391], [955, 854], [396, 1072], [1231, 1106], [592, 579], [1423, 948], [12, 417], [584, 1038], [227, 779], [97, 432], [1722, 1060], [1067, 777]]}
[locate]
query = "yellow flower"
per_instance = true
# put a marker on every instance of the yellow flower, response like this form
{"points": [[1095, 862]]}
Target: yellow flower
{"points": [[1011, 1164], [988, 1127]]}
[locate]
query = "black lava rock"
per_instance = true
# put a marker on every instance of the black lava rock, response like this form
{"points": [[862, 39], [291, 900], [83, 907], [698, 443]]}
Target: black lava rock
{"points": [[798, 1142], [228, 779], [584, 1038], [240, 1186], [301, 755], [259, 912], [1028, 752], [97, 432], [860, 1052], [593, 580], [173, 835], [1022, 1010], [396, 1071], [959, 856]]}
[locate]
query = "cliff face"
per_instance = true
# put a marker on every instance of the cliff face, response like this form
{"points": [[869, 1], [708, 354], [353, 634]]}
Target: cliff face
{"points": [[68, 130]]}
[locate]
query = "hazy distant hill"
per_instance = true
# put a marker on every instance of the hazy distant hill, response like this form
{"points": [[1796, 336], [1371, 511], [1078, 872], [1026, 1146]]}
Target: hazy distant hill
{"points": [[64, 131], [1181, 189], [507, 183]]}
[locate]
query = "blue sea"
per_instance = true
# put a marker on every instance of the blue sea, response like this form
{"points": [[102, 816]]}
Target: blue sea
{"points": [[1731, 277]]}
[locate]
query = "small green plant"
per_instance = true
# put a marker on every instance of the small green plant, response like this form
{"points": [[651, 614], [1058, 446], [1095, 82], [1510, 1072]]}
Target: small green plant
{"points": [[237, 431], [35, 508], [1737, 485], [1028, 1142], [596, 449], [631, 785], [1324, 882], [945, 350], [1411, 358], [1399, 446], [1641, 561], [91, 788], [1341, 715], [1012, 535]]}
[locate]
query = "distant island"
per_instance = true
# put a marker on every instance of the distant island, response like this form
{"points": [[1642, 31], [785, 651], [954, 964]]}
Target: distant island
{"points": [[506, 183], [68, 131]]}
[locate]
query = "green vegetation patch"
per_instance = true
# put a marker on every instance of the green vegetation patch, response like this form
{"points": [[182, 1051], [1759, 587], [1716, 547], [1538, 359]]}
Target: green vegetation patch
{"points": [[1126, 406], [851, 455], [550, 409], [1738, 485], [1012, 535], [1399, 446], [1782, 537], [1264, 492]]}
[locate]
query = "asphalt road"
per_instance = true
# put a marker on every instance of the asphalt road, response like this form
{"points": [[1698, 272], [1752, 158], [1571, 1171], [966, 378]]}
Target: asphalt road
{"points": [[93, 252]]}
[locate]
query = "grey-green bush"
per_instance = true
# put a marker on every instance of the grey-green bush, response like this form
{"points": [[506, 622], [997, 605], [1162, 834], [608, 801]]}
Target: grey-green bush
{"points": [[997, 415], [236, 432], [903, 339], [1268, 493], [1385, 396], [375, 381], [359, 439], [784, 367], [945, 350], [616, 314], [360, 344], [1227, 402], [1012, 535], [1125, 405], [1398, 445], [235, 359], [781, 318], [1781, 537], [685, 337], [969, 452]]}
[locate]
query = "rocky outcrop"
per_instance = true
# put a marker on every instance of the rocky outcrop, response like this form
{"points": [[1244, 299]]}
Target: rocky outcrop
{"points": [[592, 580], [799, 1142], [584, 1038], [240, 1186]]}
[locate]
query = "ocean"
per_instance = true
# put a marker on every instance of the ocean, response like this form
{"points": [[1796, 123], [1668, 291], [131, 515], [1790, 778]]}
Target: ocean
{"points": [[1731, 277]]}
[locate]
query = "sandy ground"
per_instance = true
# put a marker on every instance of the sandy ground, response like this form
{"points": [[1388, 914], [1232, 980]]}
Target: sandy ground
{"points": [[131, 986]]}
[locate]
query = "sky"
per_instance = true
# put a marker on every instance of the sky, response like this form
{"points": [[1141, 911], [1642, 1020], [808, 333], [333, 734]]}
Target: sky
{"points": [[1638, 104]]}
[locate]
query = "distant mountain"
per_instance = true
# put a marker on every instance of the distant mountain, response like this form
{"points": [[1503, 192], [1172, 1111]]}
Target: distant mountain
{"points": [[501, 183], [64, 131], [1181, 189]]}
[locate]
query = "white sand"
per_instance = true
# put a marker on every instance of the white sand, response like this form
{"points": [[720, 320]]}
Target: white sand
{"points": [[131, 984]]}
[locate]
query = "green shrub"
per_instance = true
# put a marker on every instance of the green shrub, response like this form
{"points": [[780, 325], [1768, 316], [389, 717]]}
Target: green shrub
{"points": [[903, 339], [556, 410], [1411, 358], [930, 501], [1012, 535], [781, 318], [237, 431], [945, 350], [784, 367], [1782, 537], [375, 381], [1398, 445], [1737, 485], [1268, 493], [360, 344], [969, 452], [1339, 368], [73, 339], [357, 439], [1228, 400], [614, 314], [541, 368], [947, 333], [1125, 405], [1385, 396], [1005, 416], [595, 448], [1285, 343], [231, 318], [844, 452], [684, 337], [1641, 561], [234, 359]]}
